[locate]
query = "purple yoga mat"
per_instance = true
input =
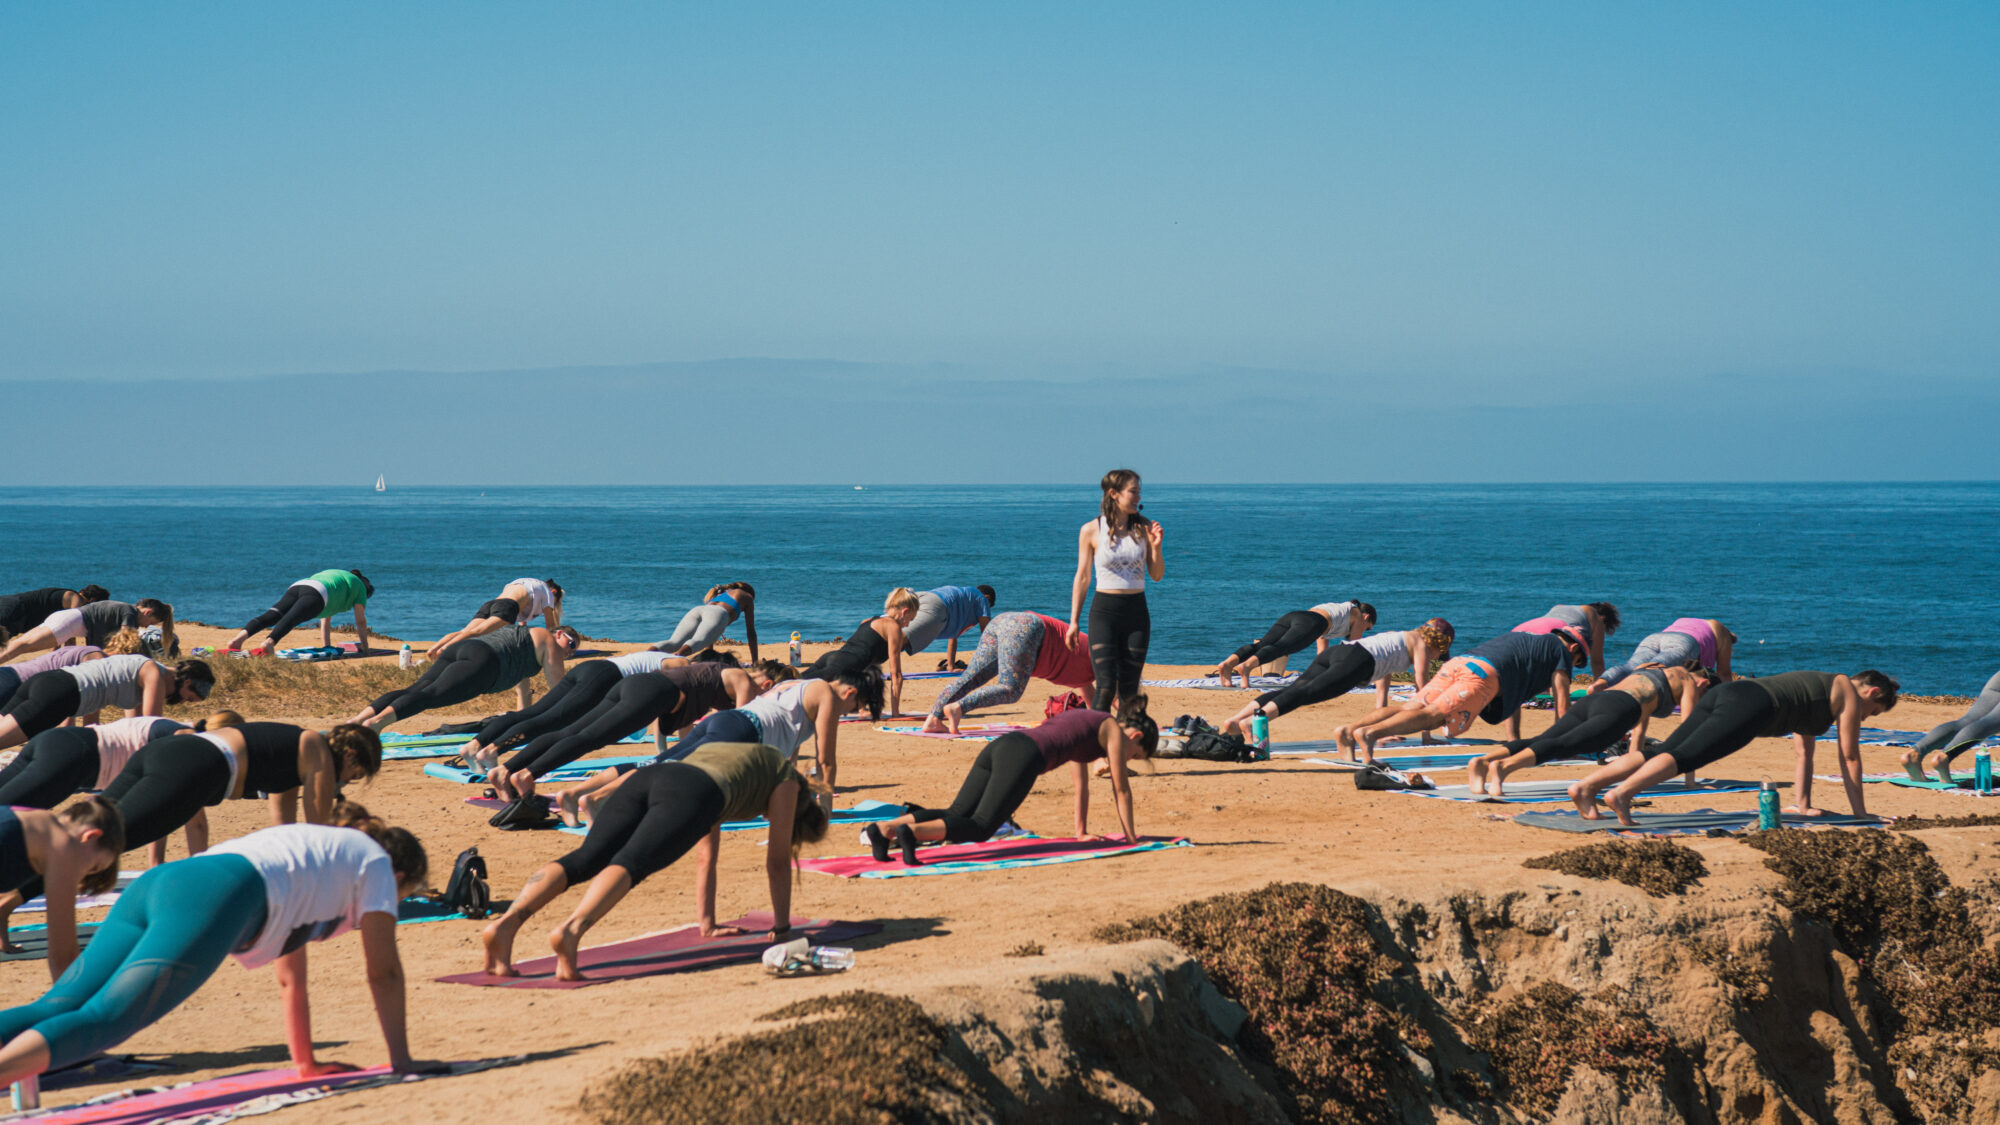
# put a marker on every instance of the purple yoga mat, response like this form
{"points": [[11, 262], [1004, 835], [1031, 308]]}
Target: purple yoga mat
{"points": [[674, 951]]}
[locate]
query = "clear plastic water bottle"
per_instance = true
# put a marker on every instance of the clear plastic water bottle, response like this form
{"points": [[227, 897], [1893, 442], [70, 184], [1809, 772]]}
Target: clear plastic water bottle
{"points": [[406, 658], [795, 648], [1767, 807], [1260, 735], [831, 958], [1982, 772]]}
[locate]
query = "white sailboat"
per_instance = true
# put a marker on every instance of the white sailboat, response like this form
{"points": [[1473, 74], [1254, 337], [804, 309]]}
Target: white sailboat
{"points": [[381, 484]]}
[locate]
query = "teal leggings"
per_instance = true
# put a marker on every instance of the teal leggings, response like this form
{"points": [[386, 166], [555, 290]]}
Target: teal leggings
{"points": [[168, 932]]}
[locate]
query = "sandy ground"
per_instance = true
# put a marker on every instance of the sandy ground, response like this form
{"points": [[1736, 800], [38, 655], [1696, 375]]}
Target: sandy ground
{"points": [[1254, 824]]}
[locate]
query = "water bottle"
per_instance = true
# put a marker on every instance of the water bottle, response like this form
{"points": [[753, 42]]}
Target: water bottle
{"points": [[1767, 807], [831, 958], [1982, 772], [1260, 734], [795, 648], [406, 658]]}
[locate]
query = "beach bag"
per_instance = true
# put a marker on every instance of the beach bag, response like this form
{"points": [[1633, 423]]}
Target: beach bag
{"points": [[467, 891], [1214, 746], [1383, 779], [1067, 701]]}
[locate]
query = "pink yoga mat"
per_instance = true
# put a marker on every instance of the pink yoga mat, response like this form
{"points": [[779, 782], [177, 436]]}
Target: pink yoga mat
{"points": [[674, 951], [994, 854], [203, 1097]]}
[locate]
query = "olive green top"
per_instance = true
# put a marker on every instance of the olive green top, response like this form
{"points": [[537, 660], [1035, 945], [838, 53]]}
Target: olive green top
{"points": [[1805, 703], [746, 772]]}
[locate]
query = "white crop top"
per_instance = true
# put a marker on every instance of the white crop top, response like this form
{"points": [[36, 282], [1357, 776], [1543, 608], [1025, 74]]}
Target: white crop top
{"points": [[1120, 566], [540, 597]]}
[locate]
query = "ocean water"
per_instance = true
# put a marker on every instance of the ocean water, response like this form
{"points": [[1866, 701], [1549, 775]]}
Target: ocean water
{"points": [[1900, 577]]}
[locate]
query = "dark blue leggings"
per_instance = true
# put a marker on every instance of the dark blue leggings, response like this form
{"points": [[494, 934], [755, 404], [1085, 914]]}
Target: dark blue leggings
{"points": [[721, 726], [167, 933]]}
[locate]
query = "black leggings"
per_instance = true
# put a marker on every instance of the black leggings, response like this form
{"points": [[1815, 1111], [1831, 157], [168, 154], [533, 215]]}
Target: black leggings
{"points": [[466, 670], [298, 605], [632, 703], [656, 817], [1001, 778], [1293, 632], [1120, 632], [1337, 671], [44, 701], [1593, 725], [166, 783], [53, 765], [580, 689], [1725, 721]]}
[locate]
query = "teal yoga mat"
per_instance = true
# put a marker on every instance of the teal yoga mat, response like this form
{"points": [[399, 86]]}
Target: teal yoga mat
{"points": [[861, 812], [575, 771]]}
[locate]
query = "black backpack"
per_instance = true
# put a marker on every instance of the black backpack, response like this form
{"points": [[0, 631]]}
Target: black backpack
{"points": [[467, 892], [1212, 746]]}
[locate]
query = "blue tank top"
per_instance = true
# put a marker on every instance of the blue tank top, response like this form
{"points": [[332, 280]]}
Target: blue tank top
{"points": [[1525, 663]]}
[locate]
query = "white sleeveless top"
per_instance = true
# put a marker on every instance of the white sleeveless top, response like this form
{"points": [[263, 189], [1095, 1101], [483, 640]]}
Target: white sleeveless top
{"points": [[110, 682], [633, 663], [780, 715], [1337, 613], [1120, 567], [1391, 652], [540, 597]]}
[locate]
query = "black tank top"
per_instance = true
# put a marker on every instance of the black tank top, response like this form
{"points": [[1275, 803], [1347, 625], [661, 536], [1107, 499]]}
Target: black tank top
{"points": [[1805, 702], [702, 689], [867, 645], [270, 757], [34, 606]]}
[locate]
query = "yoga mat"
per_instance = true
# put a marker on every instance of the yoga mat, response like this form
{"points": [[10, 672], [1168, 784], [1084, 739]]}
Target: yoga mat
{"points": [[674, 951], [980, 732], [1694, 823], [883, 719], [993, 855], [1208, 683], [1961, 785], [1322, 745], [83, 902], [575, 771], [412, 911], [451, 742], [1543, 791], [861, 812], [237, 1095], [1404, 762], [34, 941]]}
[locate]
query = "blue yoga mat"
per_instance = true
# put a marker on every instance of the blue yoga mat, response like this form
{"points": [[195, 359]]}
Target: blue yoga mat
{"points": [[1404, 762], [575, 771], [1695, 823], [861, 812], [1545, 791]]}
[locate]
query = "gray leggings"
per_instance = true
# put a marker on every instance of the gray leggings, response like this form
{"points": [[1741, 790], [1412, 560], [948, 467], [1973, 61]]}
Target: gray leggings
{"points": [[700, 627], [1665, 649], [1981, 720], [1007, 649]]}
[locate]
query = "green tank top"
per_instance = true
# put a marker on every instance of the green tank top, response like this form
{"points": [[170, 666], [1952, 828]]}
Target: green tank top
{"points": [[747, 773], [1805, 703], [343, 591], [516, 646]]}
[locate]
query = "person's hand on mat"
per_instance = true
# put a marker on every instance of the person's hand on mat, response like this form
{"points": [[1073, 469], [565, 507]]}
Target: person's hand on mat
{"points": [[316, 1069]]}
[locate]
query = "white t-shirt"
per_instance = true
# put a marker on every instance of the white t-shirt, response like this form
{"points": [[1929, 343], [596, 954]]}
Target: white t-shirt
{"points": [[633, 663], [540, 597], [1337, 617], [318, 882]]}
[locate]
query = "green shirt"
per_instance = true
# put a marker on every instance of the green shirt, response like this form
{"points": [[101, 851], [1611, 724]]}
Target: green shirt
{"points": [[344, 591], [746, 772]]}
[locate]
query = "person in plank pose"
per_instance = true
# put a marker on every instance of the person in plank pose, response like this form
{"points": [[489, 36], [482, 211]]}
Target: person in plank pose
{"points": [[703, 625], [29, 608], [583, 687], [1321, 625], [1690, 642], [520, 602], [325, 595], [134, 683], [1490, 683], [1946, 741], [877, 640], [1595, 724], [946, 612], [506, 658], [1340, 668], [95, 623], [1593, 623], [69, 853]]}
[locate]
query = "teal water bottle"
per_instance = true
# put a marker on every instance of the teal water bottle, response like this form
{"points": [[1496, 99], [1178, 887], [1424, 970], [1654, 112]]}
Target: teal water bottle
{"points": [[1260, 733], [1982, 772], [1767, 807]]}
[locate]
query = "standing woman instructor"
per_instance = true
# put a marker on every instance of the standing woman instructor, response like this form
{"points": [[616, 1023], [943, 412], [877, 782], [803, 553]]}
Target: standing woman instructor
{"points": [[1122, 547]]}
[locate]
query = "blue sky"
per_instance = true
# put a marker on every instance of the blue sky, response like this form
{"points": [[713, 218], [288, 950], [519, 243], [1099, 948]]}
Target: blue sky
{"points": [[1593, 203]]}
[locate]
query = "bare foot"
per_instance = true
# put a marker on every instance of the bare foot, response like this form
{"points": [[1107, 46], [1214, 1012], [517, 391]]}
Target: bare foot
{"points": [[1223, 670], [1232, 728], [953, 715], [933, 725], [564, 943], [1475, 776], [586, 809], [1368, 740], [497, 778], [1913, 764], [1938, 766], [1620, 802], [1585, 802], [1343, 737], [566, 807], [498, 938]]}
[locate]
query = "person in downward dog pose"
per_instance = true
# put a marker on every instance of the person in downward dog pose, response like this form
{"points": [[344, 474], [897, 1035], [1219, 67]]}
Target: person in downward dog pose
{"points": [[94, 623], [1341, 668], [1014, 648], [133, 683], [1006, 771], [1690, 642], [262, 898], [1490, 683], [1595, 724], [672, 698], [661, 813], [1121, 547], [781, 718], [946, 612], [1593, 623], [325, 595], [520, 602], [1801, 704], [877, 640], [12, 676], [1946, 741], [1323, 624], [583, 687], [29, 608], [506, 658], [75, 851], [703, 625]]}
